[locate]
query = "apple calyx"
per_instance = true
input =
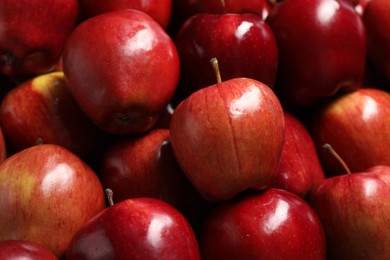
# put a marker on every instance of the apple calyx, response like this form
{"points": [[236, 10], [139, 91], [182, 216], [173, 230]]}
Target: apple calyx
{"points": [[327, 147], [110, 196], [215, 65]]}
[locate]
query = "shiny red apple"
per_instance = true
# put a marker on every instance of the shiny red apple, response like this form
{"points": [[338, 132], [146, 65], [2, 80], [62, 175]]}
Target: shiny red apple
{"points": [[46, 194], [229, 137], [273, 224], [243, 44], [139, 228], [322, 49], [42, 110], [33, 34], [122, 69]]}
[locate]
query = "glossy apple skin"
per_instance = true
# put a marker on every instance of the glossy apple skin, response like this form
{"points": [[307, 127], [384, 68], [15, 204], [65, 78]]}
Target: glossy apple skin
{"points": [[33, 35], [42, 110], [229, 137], [322, 49], [356, 125], [377, 22], [273, 224], [22, 249], [139, 228], [243, 44], [145, 166], [122, 90], [159, 10], [46, 194], [355, 214], [300, 169]]}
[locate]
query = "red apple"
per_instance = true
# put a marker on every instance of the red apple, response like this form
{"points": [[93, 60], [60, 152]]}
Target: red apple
{"points": [[145, 166], [159, 10], [354, 212], [356, 125], [22, 249], [139, 228], [300, 169], [42, 110], [322, 49], [377, 22], [46, 194], [122, 69], [274, 224], [33, 34], [229, 137], [243, 43]]}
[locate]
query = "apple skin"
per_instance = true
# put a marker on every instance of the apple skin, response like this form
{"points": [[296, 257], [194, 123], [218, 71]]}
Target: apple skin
{"points": [[46, 194], [123, 90], [22, 249], [243, 43], [354, 212], [377, 22], [42, 110], [356, 126], [145, 166], [300, 169], [139, 228], [159, 10], [273, 224], [229, 137], [33, 35], [3, 146], [322, 49]]}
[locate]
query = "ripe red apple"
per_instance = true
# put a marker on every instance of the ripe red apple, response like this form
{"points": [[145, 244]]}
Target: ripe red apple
{"points": [[377, 22], [228, 137], [243, 43], [354, 212], [145, 166], [22, 249], [122, 69], [273, 224], [300, 169], [139, 228], [46, 194], [159, 10], [42, 110], [356, 125], [33, 34], [322, 49]]}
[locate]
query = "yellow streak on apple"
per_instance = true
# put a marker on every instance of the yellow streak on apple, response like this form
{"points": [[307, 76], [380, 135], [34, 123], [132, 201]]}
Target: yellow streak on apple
{"points": [[41, 83]]}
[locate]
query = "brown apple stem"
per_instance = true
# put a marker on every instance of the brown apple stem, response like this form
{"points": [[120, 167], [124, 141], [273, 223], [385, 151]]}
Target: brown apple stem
{"points": [[329, 149], [214, 64], [110, 196], [223, 5]]}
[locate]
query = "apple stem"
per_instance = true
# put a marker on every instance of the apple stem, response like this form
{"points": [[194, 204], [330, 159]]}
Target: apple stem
{"points": [[329, 149], [215, 65], [110, 196], [223, 5]]}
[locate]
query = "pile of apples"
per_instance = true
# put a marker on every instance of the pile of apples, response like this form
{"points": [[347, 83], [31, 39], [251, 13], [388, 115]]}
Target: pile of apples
{"points": [[195, 129]]}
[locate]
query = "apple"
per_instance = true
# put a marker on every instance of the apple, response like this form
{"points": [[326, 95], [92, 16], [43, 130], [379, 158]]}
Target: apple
{"points": [[122, 69], [272, 224], [243, 43], [22, 249], [145, 166], [354, 213], [229, 137], [139, 228], [46, 194], [159, 10], [322, 49], [356, 125], [300, 169], [43, 110], [33, 35], [377, 22]]}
